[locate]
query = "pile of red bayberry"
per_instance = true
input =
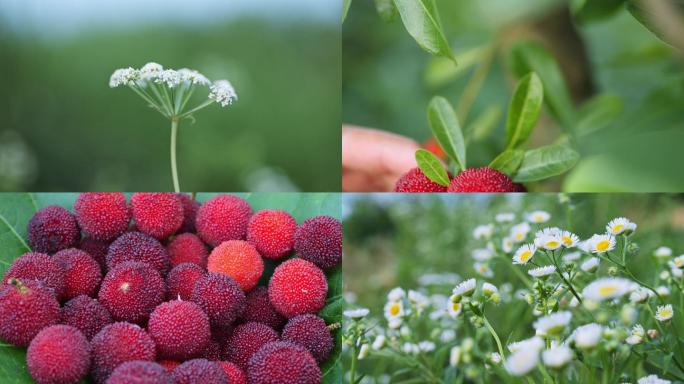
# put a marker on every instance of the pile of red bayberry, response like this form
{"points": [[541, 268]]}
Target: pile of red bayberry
{"points": [[173, 297]]}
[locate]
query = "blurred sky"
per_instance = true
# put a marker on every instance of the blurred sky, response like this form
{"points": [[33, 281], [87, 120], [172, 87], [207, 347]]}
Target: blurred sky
{"points": [[61, 18]]}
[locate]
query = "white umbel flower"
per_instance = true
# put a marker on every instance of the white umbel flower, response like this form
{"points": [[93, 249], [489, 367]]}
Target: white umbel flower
{"points": [[601, 243], [552, 324], [223, 93], [607, 288], [356, 314], [483, 231], [662, 252], [169, 77], [588, 336], [653, 379], [538, 217], [149, 72], [466, 288], [619, 226], [524, 254], [123, 76], [591, 265], [541, 272], [557, 357], [193, 77], [664, 312]]}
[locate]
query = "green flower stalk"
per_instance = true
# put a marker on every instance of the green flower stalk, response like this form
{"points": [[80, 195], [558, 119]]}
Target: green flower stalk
{"points": [[169, 91]]}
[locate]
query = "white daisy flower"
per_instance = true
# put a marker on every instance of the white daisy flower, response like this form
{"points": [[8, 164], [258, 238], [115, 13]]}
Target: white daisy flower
{"points": [[591, 265], [123, 76], [488, 289], [482, 254], [483, 269], [394, 323], [601, 243], [356, 314], [663, 291], [419, 300], [524, 254], [664, 312], [483, 231], [534, 342], [538, 217], [572, 256], [455, 356], [607, 288], [505, 217], [396, 294], [584, 246], [620, 225], [676, 272], [541, 272], [519, 232], [639, 295], [394, 310], [547, 242], [454, 308], [507, 244], [522, 362], [678, 261], [636, 336], [363, 351], [379, 342], [557, 356], [549, 231], [552, 324], [662, 252], [653, 379], [569, 239], [587, 336], [426, 346], [466, 288], [223, 93]]}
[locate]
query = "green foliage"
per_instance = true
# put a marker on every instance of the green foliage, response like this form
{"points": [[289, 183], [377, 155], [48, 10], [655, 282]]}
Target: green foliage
{"points": [[421, 20], [386, 9], [432, 167], [524, 110], [593, 10], [544, 162], [598, 113], [447, 130], [508, 161], [645, 16]]}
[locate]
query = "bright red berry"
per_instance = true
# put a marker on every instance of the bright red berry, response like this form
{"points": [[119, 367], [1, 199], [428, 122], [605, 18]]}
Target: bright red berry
{"points": [[58, 354], [297, 287], [40, 267], [102, 215], [187, 248], [223, 218], [272, 233], [180, 329], [416, 181], [283, 362], [158, 214], [82, 274], [483, 179], [239, 260], [246, 339], [26, 307]]}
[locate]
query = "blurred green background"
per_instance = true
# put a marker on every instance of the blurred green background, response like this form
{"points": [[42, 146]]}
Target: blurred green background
{"points": [[388, 81], [63, 128]]}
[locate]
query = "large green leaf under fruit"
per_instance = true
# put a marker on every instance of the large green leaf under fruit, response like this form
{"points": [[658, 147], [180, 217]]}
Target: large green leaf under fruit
{"points": [[16, 210]]}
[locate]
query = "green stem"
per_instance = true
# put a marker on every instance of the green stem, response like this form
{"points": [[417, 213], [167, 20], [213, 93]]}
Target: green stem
{"points": [[174, 168], [495, 336], [352, 369], [197, 108], [474, 85]]}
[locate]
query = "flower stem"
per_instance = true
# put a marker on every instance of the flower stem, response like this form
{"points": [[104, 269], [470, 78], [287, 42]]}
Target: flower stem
{"points": [[495, 336], [174, 168]]}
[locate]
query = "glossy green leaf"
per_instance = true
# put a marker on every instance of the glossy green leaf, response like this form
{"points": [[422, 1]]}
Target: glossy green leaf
{"points": [[533, 57], [508, 161], [421, 20], [386, 10], [345, 8], [432, 167], [484, 124], [594, 10], [446, 129], [544, 162], [598, 112], [440, 71], [524, 109], [644, 14]]}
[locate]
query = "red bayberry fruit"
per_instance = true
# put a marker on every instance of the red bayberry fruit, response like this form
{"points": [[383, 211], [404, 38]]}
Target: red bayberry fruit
{"points": [[158, 214], [40, 267], [239, 260], [416, 181], [272, 233], [483, 179], [199, 371], [260, 309], [234, 373], [246, 340], [139, 372], [187, 248], [190, 208], [137, 246], [58, 354], [181, 280], [82, 274], [319, 240], [283, 362], [52, 229], [220, 297], [86, 314], [118, 343], [131, 291], [213, 351], [223, 218], [97, 250], [169, 365], [26, 307], [180, 329], [311, 332], [102, 215], [297, 287], [433, 146]]}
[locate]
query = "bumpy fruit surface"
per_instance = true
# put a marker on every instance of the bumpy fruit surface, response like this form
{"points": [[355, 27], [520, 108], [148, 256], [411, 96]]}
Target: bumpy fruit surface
{"points": [[220, 297], [319, 240], [58, 354], [187, 248], [52, 229], [181, 280], [97, 250], [199, 371], [190, 208], [483, 179], [416, 181], [180, 329], [260, 309], [82, 274], [39, 267], [131, 291], [283, 362], [297, 287], [234, 373], [26, 307], [118, 343], [137, 246], [86, 314], [102, 215], [158, 214], [246, 340], [223, 218], [239, 260], [311, 332], [139, 372], [272, 233]]}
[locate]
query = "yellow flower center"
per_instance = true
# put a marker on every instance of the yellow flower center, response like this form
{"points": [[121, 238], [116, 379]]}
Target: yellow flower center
{"points": [[607, 290], [602, 245], [679, 263], [667, 312], [617, 228], [552, 243], [519, 236], [455, 306], [567, 240], [525, 256], [394, 309], [538, 218]]}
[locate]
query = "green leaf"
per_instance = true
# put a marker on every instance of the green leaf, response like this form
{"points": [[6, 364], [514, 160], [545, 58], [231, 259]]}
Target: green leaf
{"points": [[524, 109], [432, 167], [484, 124], [440, 71], [345, 8], [594, 10], [386, 10], [533, 57], [446, 129], [644, 14], [16, 210], [421, 20], [544, 162], [508, 161], [598, 112]]}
